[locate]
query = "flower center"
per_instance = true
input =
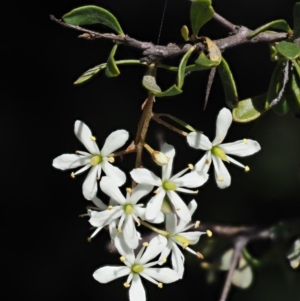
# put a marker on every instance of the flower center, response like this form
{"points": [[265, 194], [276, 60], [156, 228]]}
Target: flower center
{"points": [[219, 153], [128, 208], [136, 268], [169, 186], [182, 239], [96, 160]]}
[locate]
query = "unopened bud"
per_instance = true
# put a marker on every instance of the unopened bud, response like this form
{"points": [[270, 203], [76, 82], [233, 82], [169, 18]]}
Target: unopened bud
{"points": [[160, 158]]}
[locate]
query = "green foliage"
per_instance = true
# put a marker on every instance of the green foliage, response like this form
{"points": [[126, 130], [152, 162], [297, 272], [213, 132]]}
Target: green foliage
{"points": [[296, 14], [182, 65], [277, 24], [90, 14], [249, 109], [185, 33], [288, 50], [201, 12], [230, 90], [111, 69], [293, 93]]}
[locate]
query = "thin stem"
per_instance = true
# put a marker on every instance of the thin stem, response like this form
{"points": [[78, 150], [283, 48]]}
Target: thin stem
{"points": [[225, 22], [164, 233], [169, 126]]}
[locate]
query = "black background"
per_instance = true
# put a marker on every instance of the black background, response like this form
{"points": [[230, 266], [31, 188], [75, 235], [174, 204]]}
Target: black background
{"points": [[44, 253]]}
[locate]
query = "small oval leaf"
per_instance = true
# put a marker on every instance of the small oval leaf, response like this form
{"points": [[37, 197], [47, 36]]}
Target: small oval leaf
{"points": [[296, 14], [288, 50], [91, 14], [200, 13], [87, 75], [293, 93], [149, 80], [185, 33], [249, 109], [277, 24], [214, 52], [230, 90], [181, 67], [112, 69], [174, 90]]}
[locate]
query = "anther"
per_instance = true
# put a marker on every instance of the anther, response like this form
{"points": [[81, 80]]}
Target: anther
{"points": [[98, 178], [220, 179], [122, 258], [196, 191], [185, 245], [145, 244], [155, 191], [89, 239], [197, 224], [177, 209], [199, 255], [221, 138], [163, 260], [190, 166], [207, 161], [129, 190], [119, 229], [247, 168], [209, 233], [126, 284], [110, 207], [160, 285], [245, 141], [111, 159], [93, 138], [72, 175]]}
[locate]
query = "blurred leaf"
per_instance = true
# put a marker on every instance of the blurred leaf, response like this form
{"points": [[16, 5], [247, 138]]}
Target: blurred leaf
{"points": [[226, 260], [91, 14], [174, 90], [294, 254], [182, 65], [242, 278], [293, 93], [288, 49], [231, 95], [277, 24], [296, 14], [296, 65], [149, 80], [200, 13], [273, 52], [185, 32], [249, 109], [112, 69], [214, 52]]}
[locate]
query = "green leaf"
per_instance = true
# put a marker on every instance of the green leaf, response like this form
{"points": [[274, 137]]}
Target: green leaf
{"points": [[293, 93], [277, 24], [203, 61], [296, 65], [249, 109], [181, 67], [275, 87], [149, 80], [112, 69], [185, 33], [231, 95], [214, 52], [174, 90], [200, 13], [296, 14], [288, 49], [87, 75], [91, 14]]}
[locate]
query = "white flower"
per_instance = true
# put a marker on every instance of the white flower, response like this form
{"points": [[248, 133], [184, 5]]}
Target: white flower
{"points": [[167, 185], [178, 236], [136, 267], [126, 211], [95, 159], [294, 254], [218, 152]]}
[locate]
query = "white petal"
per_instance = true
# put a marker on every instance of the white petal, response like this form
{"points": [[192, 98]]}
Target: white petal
{"points": [[241, 148], [204, 163], [140, 191], [114, 141], [114, 173], [84, 134], [123, 248], [177, 260], [90, 185], [100, 219], [166, 251], [141, 212], [185, 190], [226, 260], [192, 179], [129, 232], [145, 176], [156, 245], [107, 274], [154, 205], [222, 175], [164, 275], [180, 207], [109, 187], [171, 223], [113, 229], [99, 203], [68, 161], [137, 291], [169, 151], [193, 237], [224, 121], [242, 278], [192, 206], [198, 141]]}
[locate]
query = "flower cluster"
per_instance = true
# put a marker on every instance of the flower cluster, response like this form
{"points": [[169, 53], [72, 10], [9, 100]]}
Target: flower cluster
{"points": [[124, 212]]}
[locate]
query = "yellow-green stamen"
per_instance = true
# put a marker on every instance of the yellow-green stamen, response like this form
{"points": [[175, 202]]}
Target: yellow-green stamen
{"points": [[97, 159], [219, 153], [182, 240], [128, 209], [137, 268], [169, 186]]}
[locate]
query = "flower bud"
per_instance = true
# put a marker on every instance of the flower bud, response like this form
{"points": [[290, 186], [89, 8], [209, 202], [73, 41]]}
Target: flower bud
{"points": [[159, 158]]}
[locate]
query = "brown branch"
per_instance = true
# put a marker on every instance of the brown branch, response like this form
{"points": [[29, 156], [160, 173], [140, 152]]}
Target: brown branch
{"points": [[233, 28], [169, 126], [153, 52]]}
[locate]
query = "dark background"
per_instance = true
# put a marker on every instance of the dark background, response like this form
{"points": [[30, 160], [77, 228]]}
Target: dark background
{"points": [[44, 253]]}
